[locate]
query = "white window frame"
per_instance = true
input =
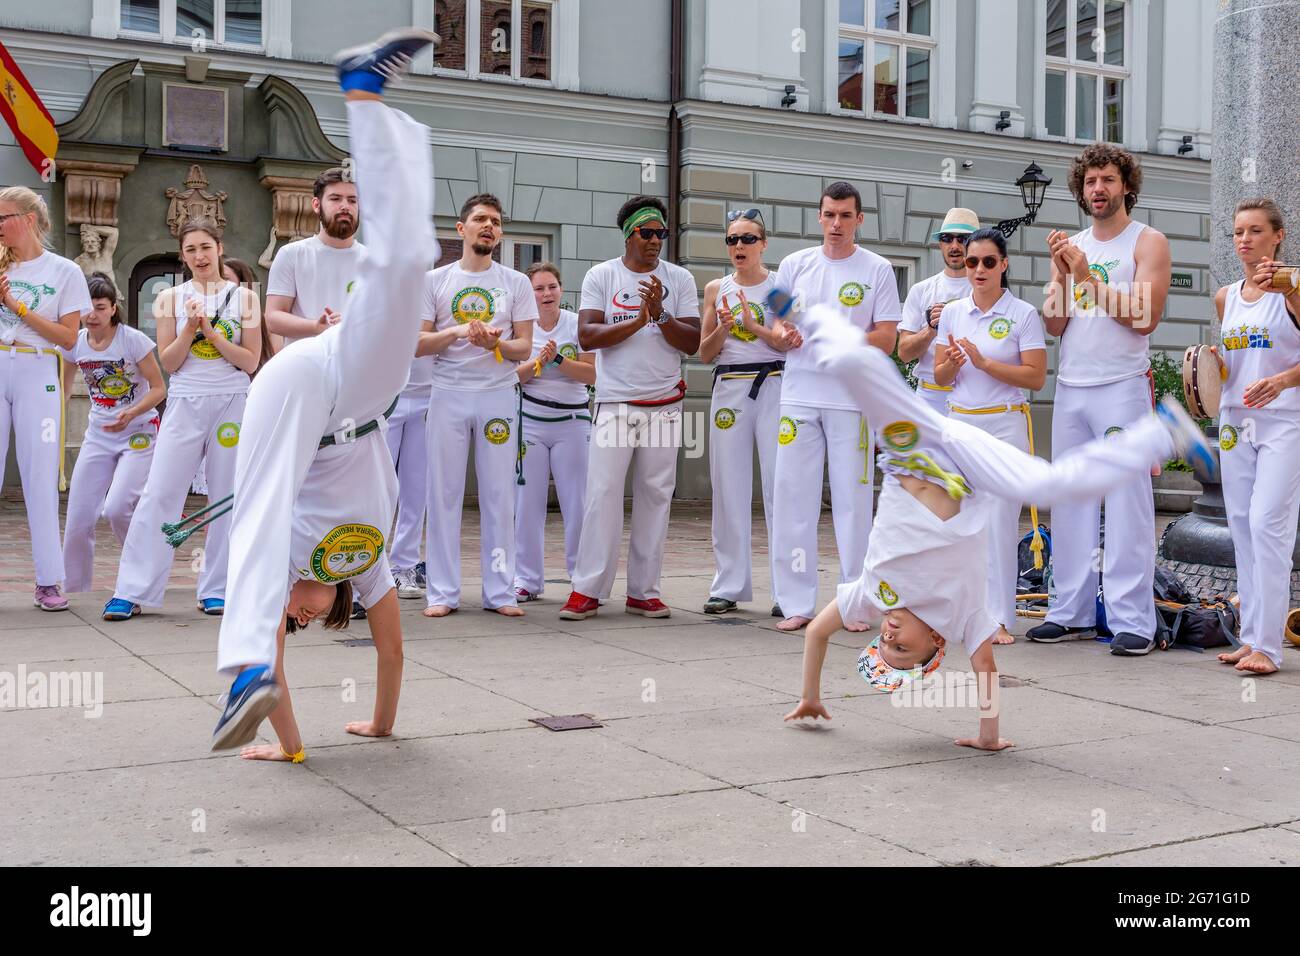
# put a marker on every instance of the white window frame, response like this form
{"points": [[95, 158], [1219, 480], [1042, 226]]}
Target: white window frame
{"points": [[940, 69], [564, 44], [1132, 74], [909, 266], [107, 22]]}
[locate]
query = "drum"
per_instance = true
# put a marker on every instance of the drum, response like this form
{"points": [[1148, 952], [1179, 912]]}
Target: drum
{"points": [[1293, 626], [1286, 278], [1202, 381]]}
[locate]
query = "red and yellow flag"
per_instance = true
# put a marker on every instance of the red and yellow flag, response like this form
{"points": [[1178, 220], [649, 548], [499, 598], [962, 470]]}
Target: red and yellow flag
{"points": [[31, 122]]}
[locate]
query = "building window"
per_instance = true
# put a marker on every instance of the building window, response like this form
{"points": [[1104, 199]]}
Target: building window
{"points": [[894, 37], [226, 23], [512, 39], [518, 252], [1087, 69]]}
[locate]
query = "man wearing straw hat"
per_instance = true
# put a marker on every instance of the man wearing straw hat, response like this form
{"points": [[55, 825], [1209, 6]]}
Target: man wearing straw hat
{"points": [[926, 300]]}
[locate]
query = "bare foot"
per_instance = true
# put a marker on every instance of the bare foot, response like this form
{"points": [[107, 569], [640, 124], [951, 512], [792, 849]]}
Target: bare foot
{"points": [[1233, 656], [1257, 663], [439, 610], [366, 728], [263, 752], [979, 744], [793, 623], [1003, 636], [854, 627], [508, 611]]}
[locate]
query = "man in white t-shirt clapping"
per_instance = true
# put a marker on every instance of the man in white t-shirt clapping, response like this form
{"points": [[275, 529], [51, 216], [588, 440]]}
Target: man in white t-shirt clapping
{"points": [[819, 420], [640, 315]]}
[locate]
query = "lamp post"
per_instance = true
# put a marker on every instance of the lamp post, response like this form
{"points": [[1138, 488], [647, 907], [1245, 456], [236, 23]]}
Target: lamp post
{"points": [[1033, 188]]}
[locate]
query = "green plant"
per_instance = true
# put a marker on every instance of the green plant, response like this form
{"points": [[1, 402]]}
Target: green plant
{"points": [[1177, 464]]}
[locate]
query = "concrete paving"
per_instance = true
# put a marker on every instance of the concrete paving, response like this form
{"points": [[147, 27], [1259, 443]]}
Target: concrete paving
{"points": [[1168, 760]]}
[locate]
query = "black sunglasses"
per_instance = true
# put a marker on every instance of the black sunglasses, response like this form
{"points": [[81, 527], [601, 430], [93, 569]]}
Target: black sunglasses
{"points": [[990, 262], [744, 214], [747, 240], [649, 232], [954, 237]]}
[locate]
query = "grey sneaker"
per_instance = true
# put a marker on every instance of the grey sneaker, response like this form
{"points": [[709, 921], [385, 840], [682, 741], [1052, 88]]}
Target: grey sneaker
{"points": [[1131, 645], [1190, 442], [407, 587], [48, 597]]}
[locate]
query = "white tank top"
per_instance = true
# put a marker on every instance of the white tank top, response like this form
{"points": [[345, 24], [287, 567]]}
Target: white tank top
{"points": [[1258, 339], [741, 347], [553, 385], [1095, 349], [206, 371]]}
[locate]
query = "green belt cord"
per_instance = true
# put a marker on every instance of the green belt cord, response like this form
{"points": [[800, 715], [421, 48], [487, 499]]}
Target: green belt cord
{"points": [[175, 531], [953, 483], [519, 437], [864, 446]]}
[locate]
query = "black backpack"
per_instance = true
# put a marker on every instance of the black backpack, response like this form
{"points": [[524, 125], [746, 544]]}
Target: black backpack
{"points": [[1199, 625]]}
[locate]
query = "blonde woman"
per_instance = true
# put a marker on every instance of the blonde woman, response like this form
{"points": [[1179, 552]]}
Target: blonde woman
{"points": [[42, 299]]}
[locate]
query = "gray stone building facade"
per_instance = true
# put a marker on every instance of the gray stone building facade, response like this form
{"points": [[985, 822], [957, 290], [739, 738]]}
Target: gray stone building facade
{"points": [[565, 108]]}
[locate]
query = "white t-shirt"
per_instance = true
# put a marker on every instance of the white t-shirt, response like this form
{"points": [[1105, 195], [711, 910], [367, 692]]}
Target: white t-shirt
{"points": [[741, 347], [341, 516], [553, 385], [862, 286], [49, 285], [1258, 339], [1012, 326], [112, 375], [939, 288], [316, 276], [643, 366], [1095, 349], [420, 377], [206, 371], [499, 296]]}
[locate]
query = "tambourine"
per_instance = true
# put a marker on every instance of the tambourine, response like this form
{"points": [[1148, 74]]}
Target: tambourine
{"points": [[1293, 626], [1202, 381]]}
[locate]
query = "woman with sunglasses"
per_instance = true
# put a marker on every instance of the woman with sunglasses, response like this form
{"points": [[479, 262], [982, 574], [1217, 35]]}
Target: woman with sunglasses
{"points": [[746, 408], [42, 298], [990, 349]]}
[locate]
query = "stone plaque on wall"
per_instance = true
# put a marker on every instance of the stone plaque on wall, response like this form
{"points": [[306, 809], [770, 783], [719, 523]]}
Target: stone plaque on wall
{"points": [[194, 116]]}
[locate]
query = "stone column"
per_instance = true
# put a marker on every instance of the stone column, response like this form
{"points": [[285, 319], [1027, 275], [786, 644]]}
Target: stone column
{"points": [[291, 214]]}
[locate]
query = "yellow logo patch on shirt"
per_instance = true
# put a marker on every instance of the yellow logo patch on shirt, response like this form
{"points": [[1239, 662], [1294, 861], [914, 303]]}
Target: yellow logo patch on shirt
{"points": [[738, 330], [201, 348], [473, 303], [852, 293], [348, 550], [999, 328], [887, 595], [901, 436]]}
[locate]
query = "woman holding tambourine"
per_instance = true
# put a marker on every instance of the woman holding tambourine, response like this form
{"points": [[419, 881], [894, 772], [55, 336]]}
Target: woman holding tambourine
{"points": [[1259, 429]]}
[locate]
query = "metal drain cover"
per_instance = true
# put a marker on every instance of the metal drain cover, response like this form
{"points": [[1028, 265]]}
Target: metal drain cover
{"points": [[566, 722], [358, 642]]}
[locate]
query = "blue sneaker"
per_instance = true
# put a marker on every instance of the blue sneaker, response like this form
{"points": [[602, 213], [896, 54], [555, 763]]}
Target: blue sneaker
{"points": [[1190, 442], [370, 66], [251, 698], [119, 610], [214, 606]]}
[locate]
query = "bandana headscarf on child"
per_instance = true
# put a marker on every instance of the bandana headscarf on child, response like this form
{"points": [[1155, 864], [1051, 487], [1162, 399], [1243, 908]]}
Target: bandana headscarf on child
{"points": [[880, 675]]}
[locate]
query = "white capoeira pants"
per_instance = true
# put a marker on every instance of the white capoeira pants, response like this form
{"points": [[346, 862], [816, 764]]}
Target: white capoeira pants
{"points": [[560, 448], [739, 424], [485, 421], [111, 471], [812, 439], [1079, 415], [1003, 518], [936, 396], [31, 405], [1259, 454], [333, 383], [191, 428], [409, 449], [645, 440]]}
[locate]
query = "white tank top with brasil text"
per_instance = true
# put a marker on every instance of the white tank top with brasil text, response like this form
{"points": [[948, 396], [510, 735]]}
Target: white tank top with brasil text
{"points": [[1258, 339], [1095, 349]]}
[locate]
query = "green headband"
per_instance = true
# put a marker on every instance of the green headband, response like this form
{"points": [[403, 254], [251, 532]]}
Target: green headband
{"points": [[639, 218]]}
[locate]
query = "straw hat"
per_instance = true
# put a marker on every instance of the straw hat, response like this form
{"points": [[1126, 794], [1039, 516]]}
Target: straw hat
{"points": [[958, 220]]}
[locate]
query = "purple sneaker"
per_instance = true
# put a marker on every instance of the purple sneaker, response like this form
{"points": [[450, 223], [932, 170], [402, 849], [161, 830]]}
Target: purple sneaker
{"points": [[48, 597]]}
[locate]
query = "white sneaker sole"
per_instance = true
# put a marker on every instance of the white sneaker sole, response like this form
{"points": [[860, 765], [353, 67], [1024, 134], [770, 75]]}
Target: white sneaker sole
{"points": [[666, 612], [576, 615], [410, 593], [243, 729]]}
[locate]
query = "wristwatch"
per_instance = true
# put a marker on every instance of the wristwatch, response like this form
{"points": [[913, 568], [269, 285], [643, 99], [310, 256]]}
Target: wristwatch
{"points": [[663, 317]]}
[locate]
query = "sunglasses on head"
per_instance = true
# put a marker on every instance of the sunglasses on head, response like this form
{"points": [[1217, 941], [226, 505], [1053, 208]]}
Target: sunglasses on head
{"points": [[744, 214], [954, 237], [990, 262], [746, 239], [649, 232]]}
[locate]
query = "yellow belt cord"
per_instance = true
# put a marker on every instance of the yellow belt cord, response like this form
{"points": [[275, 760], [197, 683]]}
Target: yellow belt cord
{"points": [[953, 483], [864, 446], [63, 404], [935, 388], [1036, 545]]}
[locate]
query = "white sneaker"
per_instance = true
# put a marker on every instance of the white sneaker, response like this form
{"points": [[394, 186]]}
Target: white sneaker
{"points": [[407, 587]]}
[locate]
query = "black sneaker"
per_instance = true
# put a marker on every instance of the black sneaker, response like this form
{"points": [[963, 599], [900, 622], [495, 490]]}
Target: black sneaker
{"points": [[777, 612], [1051, 633], [1131, 645], [358, 612], [717, 605], [419, 576]]}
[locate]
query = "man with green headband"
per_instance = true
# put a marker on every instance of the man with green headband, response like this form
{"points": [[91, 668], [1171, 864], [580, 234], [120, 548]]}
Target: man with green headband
{"points": [[640, 316]]}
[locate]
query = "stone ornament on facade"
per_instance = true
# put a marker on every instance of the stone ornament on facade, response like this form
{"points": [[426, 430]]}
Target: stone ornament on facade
{"points": [[195, 203], [98, 243], [292, 215]]}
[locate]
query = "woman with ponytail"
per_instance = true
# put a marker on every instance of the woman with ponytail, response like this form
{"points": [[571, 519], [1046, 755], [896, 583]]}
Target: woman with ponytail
{"points": [[125, 386], [42, 298]]}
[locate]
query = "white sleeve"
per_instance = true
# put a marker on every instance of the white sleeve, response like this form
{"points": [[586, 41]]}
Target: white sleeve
{"points": [[686, 300], [913, 316], [427, 299], [138, 345], [74, 296], [593, 292], [280, 280], [886, 307], [1031, 335], [945, 326], [369, 587], [525, 309]]}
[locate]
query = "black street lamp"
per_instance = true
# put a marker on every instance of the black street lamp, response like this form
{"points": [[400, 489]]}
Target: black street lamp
{"points": [[1033, 189]]}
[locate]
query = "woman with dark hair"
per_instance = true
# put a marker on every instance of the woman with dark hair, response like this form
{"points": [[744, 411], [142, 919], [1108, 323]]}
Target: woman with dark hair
{"points": [[990, 348], [1259, 429], [241, 273], [210, 341], [125, 386]]}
